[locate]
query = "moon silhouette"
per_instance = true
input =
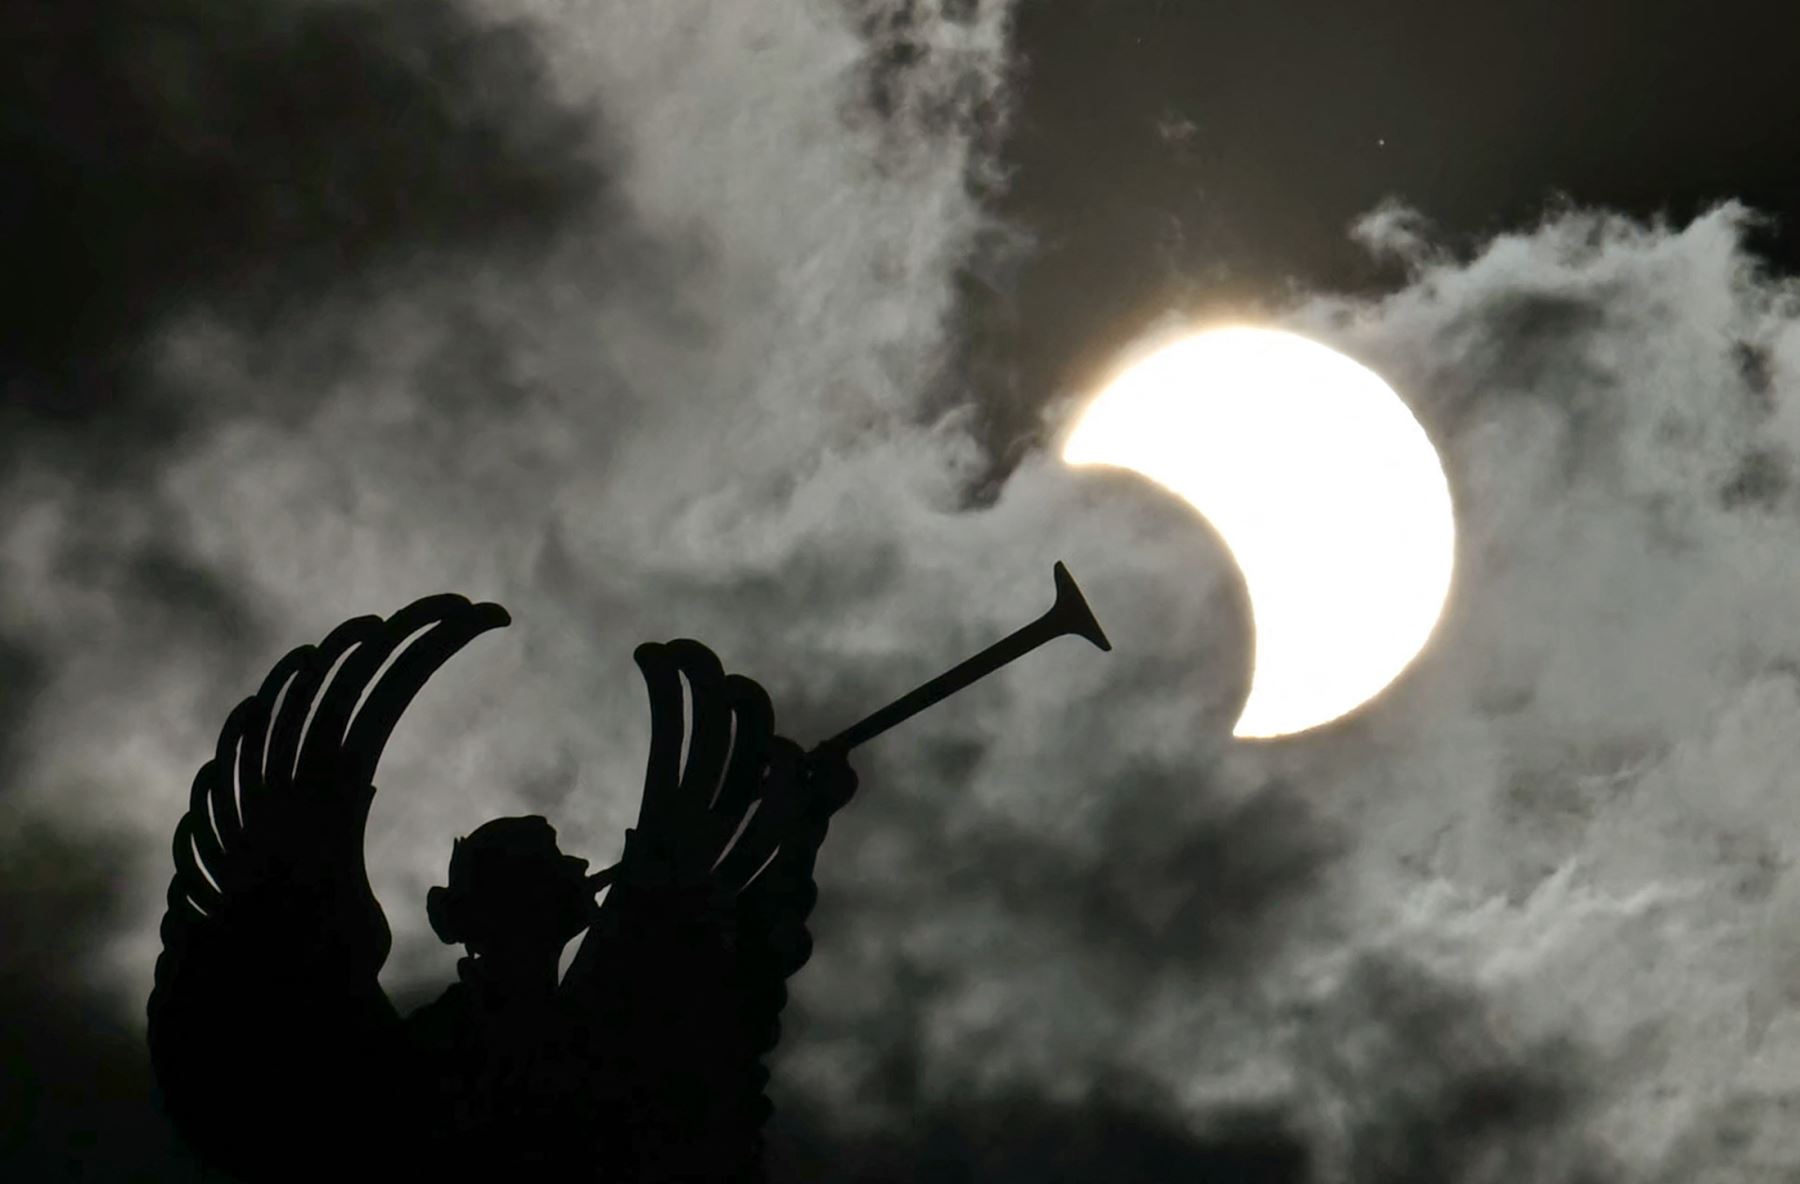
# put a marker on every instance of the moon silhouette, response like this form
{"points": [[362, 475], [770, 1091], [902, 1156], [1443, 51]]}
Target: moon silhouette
{"points": [[1323, 486]]}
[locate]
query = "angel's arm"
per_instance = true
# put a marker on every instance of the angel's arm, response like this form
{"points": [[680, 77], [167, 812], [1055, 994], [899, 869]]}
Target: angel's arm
{"points": [[773, 909], [681, 975], [729, 1020]]}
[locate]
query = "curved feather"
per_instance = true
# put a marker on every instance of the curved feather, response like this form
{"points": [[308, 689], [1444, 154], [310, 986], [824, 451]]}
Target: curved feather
{"points": [[709, 733], [662, 772], [755, 719], [367, 642], [368, 732]]}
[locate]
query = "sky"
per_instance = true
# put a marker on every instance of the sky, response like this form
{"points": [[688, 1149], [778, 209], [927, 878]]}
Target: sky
{"points": [[759, 323]]}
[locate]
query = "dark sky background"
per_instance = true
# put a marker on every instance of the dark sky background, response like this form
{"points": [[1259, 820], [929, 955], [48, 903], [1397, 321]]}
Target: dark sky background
{"points": [[753, 322], [1209, 156]]}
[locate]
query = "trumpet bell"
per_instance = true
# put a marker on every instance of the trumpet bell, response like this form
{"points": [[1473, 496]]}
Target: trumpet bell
{"points": [[1071, 613], [1068, 614]]}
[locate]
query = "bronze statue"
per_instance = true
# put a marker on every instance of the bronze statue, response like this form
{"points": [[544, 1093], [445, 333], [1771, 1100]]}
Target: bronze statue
{"points": [[277, 1054]]}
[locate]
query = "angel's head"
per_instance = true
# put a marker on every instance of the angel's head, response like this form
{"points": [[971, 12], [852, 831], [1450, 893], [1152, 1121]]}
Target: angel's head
{"points": [[511, 891]]}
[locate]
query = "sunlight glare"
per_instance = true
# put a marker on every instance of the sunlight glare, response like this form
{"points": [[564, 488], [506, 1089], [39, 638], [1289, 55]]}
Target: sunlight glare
{"points": [[1323, 486]]}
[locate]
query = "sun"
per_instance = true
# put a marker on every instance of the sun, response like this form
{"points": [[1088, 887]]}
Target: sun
{"points": [[1323, 485]]}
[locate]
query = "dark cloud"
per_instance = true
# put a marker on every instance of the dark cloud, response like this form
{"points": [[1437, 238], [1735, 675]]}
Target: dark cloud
{"points": [[21, 677], [1756, 367], [250, 160], [75, 1085], [1202, 888], [1026, 1138], [1432, 1089], [1532, 342], [913, 84], [162, 577], [1759, 481]]}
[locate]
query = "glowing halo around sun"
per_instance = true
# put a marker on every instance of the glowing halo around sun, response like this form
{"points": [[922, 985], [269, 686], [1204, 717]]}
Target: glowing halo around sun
{"points": [[1323, 486]]}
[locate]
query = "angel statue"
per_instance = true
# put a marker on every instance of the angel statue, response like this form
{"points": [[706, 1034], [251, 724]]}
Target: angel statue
{"points": [[279, 1057]]}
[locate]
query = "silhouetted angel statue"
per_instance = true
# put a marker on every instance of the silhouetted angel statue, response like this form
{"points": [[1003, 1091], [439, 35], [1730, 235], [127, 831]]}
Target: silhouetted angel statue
{"points": [[279, 1057]]}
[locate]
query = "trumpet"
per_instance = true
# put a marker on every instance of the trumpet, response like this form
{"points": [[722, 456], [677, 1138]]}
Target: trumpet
{"points": [[1069, 614]]}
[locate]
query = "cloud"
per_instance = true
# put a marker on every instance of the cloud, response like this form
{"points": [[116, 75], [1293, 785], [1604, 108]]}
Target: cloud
{"points": [[1027, 1138], [1515, 918], [74, 1097], [167, 156], [1603, 716]]}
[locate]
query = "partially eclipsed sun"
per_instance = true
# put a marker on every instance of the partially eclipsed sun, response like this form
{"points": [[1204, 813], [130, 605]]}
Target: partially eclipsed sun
{"points": [[1327, 491]]}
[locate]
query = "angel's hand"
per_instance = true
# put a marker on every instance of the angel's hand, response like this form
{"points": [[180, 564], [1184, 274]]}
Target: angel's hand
{"points": [[799, 793], [807, 787], [828, 782]]}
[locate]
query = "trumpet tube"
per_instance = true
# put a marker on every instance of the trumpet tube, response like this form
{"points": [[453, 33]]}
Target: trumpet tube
{"points": [[1068, 615]]}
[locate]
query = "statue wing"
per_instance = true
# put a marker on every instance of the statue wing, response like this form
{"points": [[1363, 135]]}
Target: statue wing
{"points": [[276, 1051], [681, 977]]}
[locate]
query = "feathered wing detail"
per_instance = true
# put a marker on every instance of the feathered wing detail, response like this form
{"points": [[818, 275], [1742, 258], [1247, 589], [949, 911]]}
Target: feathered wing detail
{"points": [[682, 975], [277, 1054]]}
